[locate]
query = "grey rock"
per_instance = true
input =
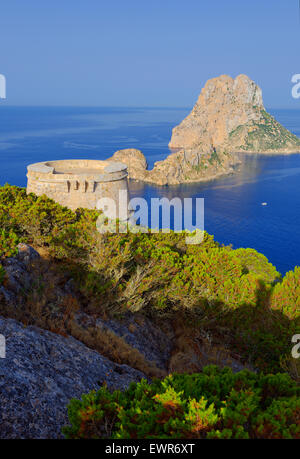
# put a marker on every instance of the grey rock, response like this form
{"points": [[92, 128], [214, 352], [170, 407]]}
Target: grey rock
{"points": [[8, 297], [42, 371], [69, 286], [17, 276], [26, 254], [17, 272]]}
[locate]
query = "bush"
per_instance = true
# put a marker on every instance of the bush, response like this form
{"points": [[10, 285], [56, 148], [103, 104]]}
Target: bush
{"points": [[37, 219], [213, 404], [8, 243], [2, 274], [286, 295]]}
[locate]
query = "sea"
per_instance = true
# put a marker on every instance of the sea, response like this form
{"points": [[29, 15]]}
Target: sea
{"points": [[257, 207]]}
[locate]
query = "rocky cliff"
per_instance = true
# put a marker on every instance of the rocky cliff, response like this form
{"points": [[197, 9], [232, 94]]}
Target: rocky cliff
{"points": [[230, 115], [228, 118]]}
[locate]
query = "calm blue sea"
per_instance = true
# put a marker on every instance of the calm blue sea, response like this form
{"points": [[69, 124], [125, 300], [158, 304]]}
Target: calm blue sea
{"points": [[233, 210]]}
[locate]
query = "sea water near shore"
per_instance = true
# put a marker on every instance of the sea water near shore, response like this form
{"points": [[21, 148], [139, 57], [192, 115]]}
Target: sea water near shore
{"points": [[233, 204]]}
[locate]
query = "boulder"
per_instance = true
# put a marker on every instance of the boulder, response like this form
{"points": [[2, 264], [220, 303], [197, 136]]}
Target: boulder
{"points": [[26, 254], [135, 161]]}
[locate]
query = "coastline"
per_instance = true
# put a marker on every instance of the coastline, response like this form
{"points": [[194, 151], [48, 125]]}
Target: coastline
{"points": [[216, 176], [187, 182], [270, 152]]}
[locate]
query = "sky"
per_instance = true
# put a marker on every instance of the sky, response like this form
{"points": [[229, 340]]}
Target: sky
{"points": [[145, 52]]}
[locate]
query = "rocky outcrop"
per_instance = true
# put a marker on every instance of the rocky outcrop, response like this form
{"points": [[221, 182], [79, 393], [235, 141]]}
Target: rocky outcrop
{"points": [[186, 166], [223, 105], [228, 118], [135, 161], [41, 372], [229, 115], [179, 167]]}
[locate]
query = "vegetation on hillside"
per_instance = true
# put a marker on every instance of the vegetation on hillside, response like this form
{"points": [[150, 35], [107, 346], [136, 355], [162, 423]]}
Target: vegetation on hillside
{"points": [[264, 135], [213, 404], [235, 298]]}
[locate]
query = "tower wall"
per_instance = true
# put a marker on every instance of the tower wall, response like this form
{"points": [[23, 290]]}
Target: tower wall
{"points": [[78, 183]]}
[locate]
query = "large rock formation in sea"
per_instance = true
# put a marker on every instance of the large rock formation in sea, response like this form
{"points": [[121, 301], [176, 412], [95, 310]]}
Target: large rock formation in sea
{"points": [[230, 115], [228, 118]]}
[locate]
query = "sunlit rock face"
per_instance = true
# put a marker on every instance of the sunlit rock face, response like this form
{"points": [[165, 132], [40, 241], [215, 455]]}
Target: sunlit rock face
{"points": [[228, 118], [229, 115], [223, 105]]}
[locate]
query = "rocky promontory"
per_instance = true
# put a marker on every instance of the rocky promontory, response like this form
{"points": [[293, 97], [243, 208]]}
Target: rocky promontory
{"points": [[182, 166], [228, 118]]}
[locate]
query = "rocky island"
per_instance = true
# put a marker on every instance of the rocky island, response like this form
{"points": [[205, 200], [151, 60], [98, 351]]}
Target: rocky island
{"points": [[228, 118]]}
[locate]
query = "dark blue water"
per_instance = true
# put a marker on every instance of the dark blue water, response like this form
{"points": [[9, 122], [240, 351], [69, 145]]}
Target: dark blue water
{"points": [[233, 210]]}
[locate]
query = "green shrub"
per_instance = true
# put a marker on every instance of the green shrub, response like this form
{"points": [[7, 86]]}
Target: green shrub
{"points": [[8, 243], [2, 274], [37, 219], [213, 404], [258, 264], [286, 295]]}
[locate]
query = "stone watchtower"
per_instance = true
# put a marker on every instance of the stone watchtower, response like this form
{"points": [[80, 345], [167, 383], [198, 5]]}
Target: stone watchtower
{"points": [[79, 182]]}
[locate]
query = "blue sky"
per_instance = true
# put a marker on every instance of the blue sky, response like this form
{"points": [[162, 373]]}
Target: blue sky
{"points": [[145, 52]]}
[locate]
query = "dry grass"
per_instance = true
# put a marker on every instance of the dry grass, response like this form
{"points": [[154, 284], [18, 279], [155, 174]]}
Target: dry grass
{"points": [[115, 348]]}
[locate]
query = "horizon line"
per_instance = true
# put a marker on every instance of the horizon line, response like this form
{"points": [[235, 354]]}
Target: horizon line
{"points": [[95, 106], [173, 107]]}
